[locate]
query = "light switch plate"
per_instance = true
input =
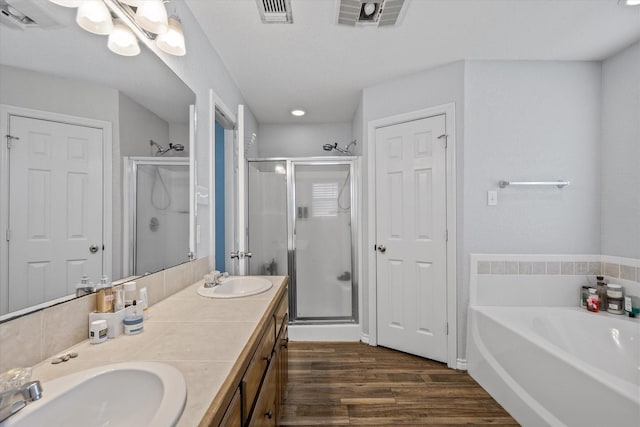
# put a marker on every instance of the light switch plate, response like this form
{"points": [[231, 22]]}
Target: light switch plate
{"points": [[492, 198]]}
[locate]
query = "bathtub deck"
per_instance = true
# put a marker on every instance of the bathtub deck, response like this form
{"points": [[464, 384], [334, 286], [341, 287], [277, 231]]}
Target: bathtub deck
{"points": [[342, 384]]}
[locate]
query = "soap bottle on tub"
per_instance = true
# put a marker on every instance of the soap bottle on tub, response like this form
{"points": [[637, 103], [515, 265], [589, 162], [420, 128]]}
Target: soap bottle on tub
{"points": [[593, 300]]}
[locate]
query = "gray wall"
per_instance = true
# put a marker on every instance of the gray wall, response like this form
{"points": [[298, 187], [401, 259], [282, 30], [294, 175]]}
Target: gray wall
{"points": [[276, 140], [514, 120], [430, 88], [620, 154], [530, 121]]}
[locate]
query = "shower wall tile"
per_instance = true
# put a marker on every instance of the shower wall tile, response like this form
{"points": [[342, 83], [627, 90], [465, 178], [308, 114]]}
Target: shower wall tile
{"points": [[497, 267], [484, 267], [511, 267], [538, 267], [554, 267], [627, 272], [525, 267], [595, 268], [567, 268], [581, 267]]}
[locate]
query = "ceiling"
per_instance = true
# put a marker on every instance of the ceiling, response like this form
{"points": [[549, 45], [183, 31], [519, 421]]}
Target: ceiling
{"points": [[322, 67]]}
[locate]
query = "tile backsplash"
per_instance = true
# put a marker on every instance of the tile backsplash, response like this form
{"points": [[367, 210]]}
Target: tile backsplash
{"points": [[611, 267], [32, 338]]}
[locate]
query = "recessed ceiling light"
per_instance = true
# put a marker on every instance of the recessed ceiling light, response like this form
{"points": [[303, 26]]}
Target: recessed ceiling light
{"points": [[298, 112]]}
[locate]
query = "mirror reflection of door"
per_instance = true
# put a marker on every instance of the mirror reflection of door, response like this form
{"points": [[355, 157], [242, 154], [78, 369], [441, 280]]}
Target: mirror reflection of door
{"points": [[55, 218]]}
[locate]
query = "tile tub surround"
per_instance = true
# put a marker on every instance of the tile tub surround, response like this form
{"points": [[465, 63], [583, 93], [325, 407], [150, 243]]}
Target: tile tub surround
{"points": [[201, 337], [30, 339], [555, 280]]}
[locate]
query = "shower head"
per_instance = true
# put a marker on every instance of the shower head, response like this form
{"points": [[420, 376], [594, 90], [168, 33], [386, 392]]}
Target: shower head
{"points": [[161, 151], [334, 146]]}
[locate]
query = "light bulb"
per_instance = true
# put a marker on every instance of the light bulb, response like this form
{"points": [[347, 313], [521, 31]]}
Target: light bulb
{"points": [[369, 8], [172, 41], [152, 16], [94, 17], [122, 40], [298, 112]]}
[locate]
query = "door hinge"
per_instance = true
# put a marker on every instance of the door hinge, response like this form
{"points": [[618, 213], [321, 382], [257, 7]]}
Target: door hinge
{"points": [[8, 235], [10, 139], [446, 328], [446, 235], [445, 137]]}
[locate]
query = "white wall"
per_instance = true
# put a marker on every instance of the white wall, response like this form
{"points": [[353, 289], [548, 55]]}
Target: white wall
{"points": [[530, 121], [620, 154], [202, 69], [437, 86], [303, 140], [139, 125]]}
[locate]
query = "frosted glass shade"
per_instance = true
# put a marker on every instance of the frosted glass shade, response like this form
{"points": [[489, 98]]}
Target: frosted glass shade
{"points": [[152, 16], [172, 41], [122, 40], [134, 3], [94, 17], [67, 3]]}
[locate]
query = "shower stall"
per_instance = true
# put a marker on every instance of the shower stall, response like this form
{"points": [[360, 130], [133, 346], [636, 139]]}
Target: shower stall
{"points": [[156, 206], [302, 223]]}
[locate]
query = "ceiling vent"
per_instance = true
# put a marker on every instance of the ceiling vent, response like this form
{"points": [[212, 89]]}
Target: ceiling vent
{"points": [[362, 12], [25, 14], [275, 11]]}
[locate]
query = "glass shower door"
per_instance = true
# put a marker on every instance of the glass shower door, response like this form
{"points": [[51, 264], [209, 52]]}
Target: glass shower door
{"points": [[323, 283], [267, 205]]}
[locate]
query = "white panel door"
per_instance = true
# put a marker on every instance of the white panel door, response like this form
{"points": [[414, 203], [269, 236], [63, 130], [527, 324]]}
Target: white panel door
{"points": [[411, 237], [55, 209]]}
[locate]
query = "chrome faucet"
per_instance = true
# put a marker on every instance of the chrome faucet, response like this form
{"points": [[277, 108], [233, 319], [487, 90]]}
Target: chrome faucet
{"points": [[212, 280], [12, 401]]}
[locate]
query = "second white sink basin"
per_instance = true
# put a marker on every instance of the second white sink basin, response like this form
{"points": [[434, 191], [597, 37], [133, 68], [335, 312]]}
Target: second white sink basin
{"points": [[236, 287], [120, 395]]}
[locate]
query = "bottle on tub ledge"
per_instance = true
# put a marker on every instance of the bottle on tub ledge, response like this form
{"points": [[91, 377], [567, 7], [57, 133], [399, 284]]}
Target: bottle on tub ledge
{"points": [[593, 300], [601, 287], [615, 299]]}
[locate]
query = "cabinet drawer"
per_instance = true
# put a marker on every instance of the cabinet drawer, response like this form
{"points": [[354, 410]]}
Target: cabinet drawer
{"points": [[257, 367]]}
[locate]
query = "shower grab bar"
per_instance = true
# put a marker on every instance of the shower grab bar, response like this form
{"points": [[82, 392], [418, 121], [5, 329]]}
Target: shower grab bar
{"points": [[559, 184]]}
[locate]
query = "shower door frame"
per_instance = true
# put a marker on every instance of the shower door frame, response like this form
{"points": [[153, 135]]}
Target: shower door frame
{"points": [[291, 162], [130, 185]]}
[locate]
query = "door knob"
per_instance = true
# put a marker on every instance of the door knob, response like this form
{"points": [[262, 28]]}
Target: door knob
{"points": [[93, 249], [382, 249]]}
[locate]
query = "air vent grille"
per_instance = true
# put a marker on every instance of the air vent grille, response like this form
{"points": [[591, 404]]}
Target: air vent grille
{"points": [[275, 11]]}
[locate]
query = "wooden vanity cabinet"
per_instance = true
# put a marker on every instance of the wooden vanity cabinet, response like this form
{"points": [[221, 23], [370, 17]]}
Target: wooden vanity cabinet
{"points": [[261, 390]]}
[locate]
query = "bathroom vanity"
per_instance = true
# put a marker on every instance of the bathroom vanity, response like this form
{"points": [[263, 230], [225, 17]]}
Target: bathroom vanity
{"points": [[231, 352]]}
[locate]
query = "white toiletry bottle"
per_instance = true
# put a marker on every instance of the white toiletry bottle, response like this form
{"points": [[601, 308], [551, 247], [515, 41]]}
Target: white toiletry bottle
{"points": [[98, 331], [144, 302], [129, 293]]}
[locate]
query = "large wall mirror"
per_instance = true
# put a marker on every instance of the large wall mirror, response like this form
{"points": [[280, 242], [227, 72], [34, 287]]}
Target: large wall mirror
{"points": [[78, 116]]}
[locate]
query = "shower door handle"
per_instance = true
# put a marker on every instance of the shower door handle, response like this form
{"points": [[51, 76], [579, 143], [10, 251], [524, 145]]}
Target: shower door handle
{"points": [[382, 249]]}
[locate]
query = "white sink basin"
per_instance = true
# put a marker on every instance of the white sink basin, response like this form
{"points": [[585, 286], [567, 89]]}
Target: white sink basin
{"points": [[236, 287], [118, 395]]}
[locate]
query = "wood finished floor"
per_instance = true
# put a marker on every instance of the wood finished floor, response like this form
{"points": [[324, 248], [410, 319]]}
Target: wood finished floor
{"points": [[340, 384]]}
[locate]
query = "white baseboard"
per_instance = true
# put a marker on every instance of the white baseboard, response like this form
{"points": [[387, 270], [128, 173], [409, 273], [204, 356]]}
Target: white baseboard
{"points": [[461, 364], [364, 338], [324, 333]]}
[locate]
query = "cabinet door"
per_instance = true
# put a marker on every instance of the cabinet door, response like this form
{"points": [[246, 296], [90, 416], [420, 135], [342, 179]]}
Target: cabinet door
{"points": [[233, 415], [264, 414], [282, 365]]}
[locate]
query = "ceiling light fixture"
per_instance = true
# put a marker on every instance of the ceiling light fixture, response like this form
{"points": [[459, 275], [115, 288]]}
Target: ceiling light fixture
{"points": [[152, 16], [298, 112], [136, 20], [94, 17], [633, 2], [172, 41], [122, 40]]}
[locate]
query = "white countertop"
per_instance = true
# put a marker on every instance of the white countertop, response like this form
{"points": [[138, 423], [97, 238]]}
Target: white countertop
{"points": [[202, 337]]}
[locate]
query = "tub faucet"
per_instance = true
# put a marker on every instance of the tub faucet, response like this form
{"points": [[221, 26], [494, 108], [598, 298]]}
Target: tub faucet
{"points": [[12, 401]]}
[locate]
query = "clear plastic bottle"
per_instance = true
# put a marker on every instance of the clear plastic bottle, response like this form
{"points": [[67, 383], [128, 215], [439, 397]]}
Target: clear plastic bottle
{"points": [[602, 291], [593, 301]]}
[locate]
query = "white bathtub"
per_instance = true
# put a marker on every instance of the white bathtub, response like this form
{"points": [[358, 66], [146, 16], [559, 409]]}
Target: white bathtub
{"points": [[557, 366]]}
